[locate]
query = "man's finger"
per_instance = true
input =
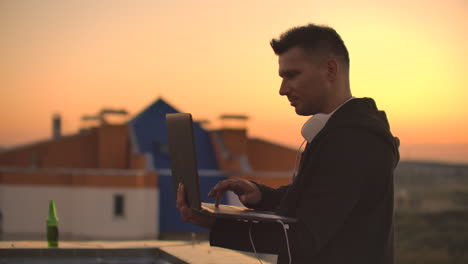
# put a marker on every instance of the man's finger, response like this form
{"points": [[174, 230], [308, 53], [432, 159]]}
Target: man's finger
{"points": [[226, 185], [219, 190], [235, 185], [181, 197], [218, 198]]}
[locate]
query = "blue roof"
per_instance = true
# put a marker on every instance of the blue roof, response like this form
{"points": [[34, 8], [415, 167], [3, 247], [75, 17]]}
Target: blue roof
{"points": [[150, 136]]}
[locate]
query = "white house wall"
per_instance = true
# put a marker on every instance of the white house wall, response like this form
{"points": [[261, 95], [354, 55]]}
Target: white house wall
{"points": [[83, 212]]}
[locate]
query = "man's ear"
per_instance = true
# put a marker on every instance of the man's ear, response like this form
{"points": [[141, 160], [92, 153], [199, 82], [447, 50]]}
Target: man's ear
{"points": [[332, 69]]}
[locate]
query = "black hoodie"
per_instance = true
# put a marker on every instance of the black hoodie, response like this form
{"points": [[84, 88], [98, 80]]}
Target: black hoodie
{"points": [[342, 196]]}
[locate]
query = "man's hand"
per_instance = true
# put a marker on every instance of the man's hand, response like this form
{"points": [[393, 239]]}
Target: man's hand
{"points": [[247, 191], [188, 214]]}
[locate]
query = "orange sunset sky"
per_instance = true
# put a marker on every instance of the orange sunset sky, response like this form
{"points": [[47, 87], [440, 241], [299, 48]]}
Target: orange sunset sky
{"points": [[210, 57]]}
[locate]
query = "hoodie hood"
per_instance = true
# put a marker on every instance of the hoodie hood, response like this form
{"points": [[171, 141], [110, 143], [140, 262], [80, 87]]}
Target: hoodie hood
{"points": [[363, 113]]}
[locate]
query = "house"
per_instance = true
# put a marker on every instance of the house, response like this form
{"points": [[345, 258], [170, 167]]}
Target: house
{"points": [[113, 181]]}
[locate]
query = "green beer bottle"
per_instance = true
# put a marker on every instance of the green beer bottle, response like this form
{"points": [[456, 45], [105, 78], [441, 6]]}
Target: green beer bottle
{"points": [[52, 226]]}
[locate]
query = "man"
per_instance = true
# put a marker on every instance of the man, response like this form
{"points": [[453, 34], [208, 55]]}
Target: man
{"points": [[342, 195]]}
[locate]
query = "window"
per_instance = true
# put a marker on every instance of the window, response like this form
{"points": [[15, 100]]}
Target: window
{"points": [[119, 205]]}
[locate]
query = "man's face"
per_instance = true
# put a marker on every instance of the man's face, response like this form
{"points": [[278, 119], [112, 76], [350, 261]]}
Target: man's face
{"points": [[304, 81]]}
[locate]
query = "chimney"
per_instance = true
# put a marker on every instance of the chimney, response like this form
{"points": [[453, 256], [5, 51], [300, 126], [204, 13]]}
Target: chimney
{"points": [[56, 126], [232, 142], [233, 121]]}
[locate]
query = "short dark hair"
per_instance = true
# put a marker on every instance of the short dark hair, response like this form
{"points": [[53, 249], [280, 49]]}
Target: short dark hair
{"points": [[314, 38]]}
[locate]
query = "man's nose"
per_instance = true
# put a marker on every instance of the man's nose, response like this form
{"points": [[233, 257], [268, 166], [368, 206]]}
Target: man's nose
{"points": [[284, 88]]}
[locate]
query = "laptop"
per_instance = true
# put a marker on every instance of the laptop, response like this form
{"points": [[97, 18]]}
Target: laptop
{"points": [[185, 171]]}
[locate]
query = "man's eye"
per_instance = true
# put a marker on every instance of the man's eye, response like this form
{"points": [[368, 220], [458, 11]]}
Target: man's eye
{"points": [[290, 75]]}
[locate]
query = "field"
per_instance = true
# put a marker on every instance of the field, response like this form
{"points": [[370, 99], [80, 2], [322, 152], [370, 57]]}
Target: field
{"points": [[431, 219]]}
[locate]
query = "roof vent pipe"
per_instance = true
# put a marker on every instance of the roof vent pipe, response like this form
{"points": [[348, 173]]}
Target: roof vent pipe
{"points": [[56, 126]]}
